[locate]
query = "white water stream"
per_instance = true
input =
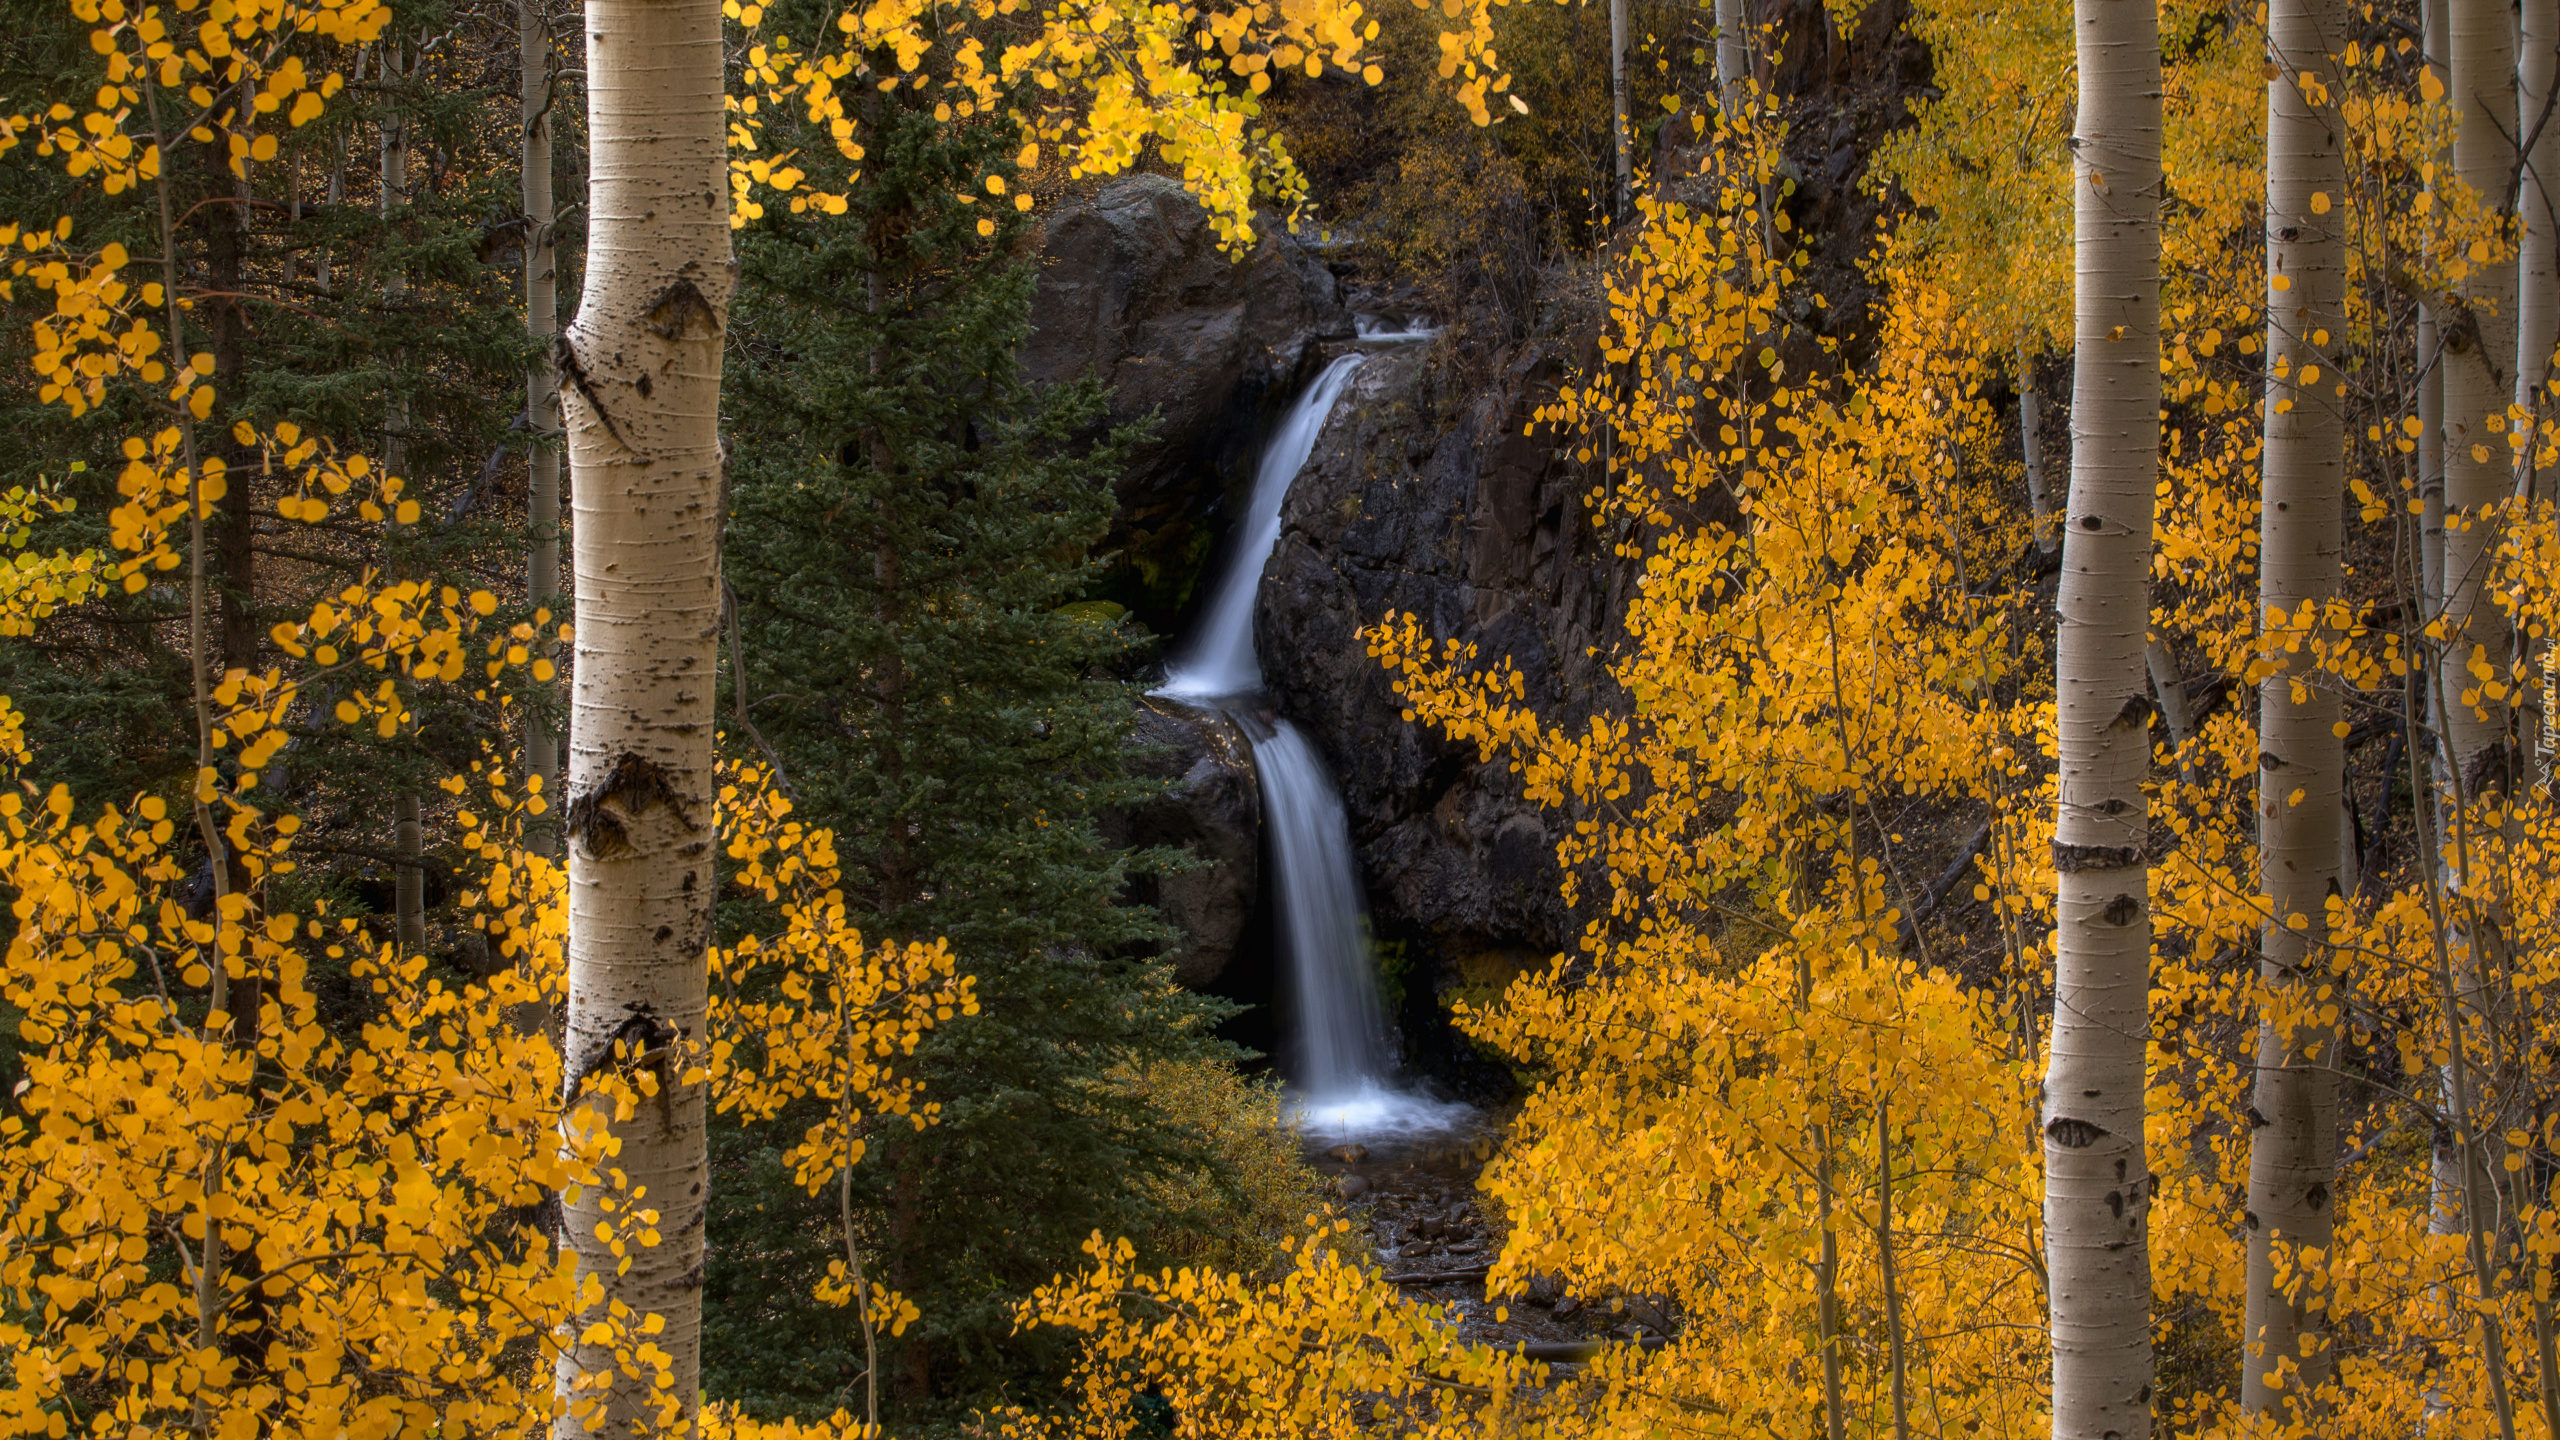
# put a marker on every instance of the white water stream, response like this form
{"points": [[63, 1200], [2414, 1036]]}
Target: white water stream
{"points": [[1219, 662], [1341, 1054]]}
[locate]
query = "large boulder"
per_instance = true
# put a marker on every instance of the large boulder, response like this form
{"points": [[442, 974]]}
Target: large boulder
{"points": [[1134, 289], [1212, 811]]}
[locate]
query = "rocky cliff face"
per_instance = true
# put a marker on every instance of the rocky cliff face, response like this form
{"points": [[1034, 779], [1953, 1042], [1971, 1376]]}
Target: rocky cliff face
{"points": [[1424, 497], [1212, 809], [1134, 290]]}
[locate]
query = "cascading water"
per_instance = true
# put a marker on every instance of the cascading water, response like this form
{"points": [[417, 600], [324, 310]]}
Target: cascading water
{"points": [[1341, 1041], [1385, 329], [1219, 662], [1341, 1052]]}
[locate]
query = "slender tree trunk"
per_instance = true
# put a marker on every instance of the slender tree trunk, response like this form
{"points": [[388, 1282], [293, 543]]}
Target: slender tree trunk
{"points": [[408, 831], [2430, 473], [1733, 56], [2538, 211], [2097, 1180], [1901, 1372], [1826, 1281], [2031, 447], [2479, 351], [2293, 1138], [2476, 352], [541, 383], [2169, 689], [642, 366], [2537, 312], [1618, 109], [226, 275]]}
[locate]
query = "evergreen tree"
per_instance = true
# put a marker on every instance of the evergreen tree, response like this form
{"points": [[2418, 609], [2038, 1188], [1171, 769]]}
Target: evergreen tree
{"points": [[912, 530], [330, 306]]}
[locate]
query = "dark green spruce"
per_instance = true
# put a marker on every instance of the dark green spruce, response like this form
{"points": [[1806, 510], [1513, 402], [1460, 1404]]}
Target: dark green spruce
{"points": [[911, 537]]}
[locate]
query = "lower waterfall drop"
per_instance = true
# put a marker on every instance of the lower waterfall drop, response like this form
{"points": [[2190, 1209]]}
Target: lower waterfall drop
{"points": [[1341, 1052]]}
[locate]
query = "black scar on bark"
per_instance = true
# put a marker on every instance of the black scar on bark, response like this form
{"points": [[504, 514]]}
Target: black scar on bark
{"points": [[2072, 859], [596, 817], [678, 306], [640, 1033], [2073, 1134], [564, 358], [2135, 714], [2122, 910]]}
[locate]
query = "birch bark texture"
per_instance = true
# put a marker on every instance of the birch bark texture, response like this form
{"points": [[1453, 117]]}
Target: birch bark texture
{"points": [[2293, 1136], [541, 384], [2477, 340], [640, 367], [2097, 1181]]}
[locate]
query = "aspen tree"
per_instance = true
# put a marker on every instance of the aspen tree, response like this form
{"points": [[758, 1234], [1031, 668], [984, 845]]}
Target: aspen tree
{"points": [[1733, 60], [2478, 348], [541, 384], [2293, 1140], [641, 366], [2097, 1181], [1618, 104], [2048, 531], [2538, 212], [2537, 303]]}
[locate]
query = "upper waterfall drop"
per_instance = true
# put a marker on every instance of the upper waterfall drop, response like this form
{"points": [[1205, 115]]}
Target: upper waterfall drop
{"points": [[1219, 660]]}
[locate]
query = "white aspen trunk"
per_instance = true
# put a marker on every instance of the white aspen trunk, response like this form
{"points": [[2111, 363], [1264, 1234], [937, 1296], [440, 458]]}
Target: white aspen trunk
{"points": [[2479, 349], [1733, 56], [2430, 474], [641, 395], [2538, 209], [2293, 1136], [2476, 344], [2031, 446], [541, 383], [2170, 690], [2537, 311], [2445, 1187], [1618, 104], [2097, 1179], [320, 270]]}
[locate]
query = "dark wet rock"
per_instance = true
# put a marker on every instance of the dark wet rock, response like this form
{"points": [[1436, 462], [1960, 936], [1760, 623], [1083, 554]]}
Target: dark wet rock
{"points": [[1134, 289], [1423, 497], [1213, 811]]}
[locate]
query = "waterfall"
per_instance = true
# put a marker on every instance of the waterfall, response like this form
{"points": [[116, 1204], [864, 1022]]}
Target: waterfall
{"points": [[1385, 329], [1341, 1040], [1340, 1052], [1219, 661]]}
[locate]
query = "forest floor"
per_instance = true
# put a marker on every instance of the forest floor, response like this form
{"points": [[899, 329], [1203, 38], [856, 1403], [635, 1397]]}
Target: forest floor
{"points": [[1433, 1235]]}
